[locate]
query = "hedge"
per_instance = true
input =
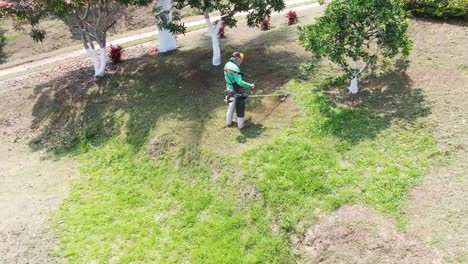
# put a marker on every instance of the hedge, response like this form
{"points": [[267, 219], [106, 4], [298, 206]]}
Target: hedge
{"points": [[438, 8]]}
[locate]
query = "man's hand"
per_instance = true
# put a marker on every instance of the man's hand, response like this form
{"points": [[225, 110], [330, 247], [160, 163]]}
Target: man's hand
{"points": [[252, 86]]}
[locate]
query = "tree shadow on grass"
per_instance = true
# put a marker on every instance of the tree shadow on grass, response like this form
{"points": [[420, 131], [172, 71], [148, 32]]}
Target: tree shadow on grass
{"points": [[130, 102], [175, 93], [383, 100]]}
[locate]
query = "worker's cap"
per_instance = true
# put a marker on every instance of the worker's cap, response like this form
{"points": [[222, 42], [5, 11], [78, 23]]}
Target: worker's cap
{"points": [[238, 55]]}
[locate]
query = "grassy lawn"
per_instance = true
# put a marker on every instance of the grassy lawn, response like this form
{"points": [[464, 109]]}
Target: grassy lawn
{"points": [[215, 194]]}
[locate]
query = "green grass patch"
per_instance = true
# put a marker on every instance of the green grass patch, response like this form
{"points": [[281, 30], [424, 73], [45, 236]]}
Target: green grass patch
{"points": [[206, 198], [130, 208]]}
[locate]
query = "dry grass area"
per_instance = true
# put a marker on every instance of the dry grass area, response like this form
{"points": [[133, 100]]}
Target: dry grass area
{"points": [[437, 210]]}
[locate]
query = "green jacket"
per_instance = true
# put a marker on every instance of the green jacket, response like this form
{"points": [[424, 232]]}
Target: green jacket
{"points": [[233, 76]]}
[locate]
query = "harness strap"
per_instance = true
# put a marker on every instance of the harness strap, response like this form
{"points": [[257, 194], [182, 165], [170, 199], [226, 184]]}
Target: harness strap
{"points": [[232, 71], [231, 82]]}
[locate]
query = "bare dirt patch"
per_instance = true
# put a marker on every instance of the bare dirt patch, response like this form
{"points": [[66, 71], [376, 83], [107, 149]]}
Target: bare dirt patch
{"points": [[31, 186], [30, 189], [437, 230], [355, 234], [437, 210], [438, 213]]}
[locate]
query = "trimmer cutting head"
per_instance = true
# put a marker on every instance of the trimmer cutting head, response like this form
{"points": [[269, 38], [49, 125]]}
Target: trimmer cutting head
{"points": [[283, 97]]}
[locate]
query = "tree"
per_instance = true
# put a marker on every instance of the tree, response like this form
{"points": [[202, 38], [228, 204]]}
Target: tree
{"points": [[24, 12], [257, 11], [92, 19], [167, 40], [370, 31]]}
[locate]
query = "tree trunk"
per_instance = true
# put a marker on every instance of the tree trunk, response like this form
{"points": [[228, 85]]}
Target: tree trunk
{"points": [[214, 39], [103, 52], [354, 86], [167, 40], [90, 49]]}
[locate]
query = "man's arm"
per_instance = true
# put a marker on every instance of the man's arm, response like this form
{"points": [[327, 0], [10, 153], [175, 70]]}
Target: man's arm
{"points": [[229, 87], [242, 83]]}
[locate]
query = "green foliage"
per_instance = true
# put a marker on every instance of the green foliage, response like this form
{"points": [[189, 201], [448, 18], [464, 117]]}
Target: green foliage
{"points": [[371, 31], [437, 8], [37, 34], [25, 12], [32, 11], [258, 10], [2, 43], [63, 8]]}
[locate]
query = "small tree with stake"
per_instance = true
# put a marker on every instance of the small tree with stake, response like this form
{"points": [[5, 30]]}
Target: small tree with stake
{"points": [[351, 31]]}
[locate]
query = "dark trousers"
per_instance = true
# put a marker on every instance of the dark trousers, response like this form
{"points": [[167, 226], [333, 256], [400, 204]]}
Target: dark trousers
{"points": [[240, 107]]}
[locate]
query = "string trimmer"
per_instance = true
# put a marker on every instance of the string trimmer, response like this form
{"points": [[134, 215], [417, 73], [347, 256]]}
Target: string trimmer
{"points": [[282, 97]]}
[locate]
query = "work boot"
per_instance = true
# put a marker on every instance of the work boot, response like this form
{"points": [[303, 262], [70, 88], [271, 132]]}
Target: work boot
{"points": [[245, 123], [232, 124], [240, 122]]}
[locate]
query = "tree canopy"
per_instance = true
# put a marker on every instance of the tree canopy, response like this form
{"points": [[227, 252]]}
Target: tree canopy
{"points": [[257, 11], [92, 19], [25, 12], [358, 30]]}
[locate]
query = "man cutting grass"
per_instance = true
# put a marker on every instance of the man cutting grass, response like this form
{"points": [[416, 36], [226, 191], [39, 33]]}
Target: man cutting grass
{"points": [[235, 89]]}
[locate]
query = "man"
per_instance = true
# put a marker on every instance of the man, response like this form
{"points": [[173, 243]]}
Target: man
{"points": [[235, 89]]}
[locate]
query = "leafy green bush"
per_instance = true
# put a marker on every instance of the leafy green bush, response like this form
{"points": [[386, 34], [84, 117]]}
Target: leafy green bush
{"points": [[355, 30], [2, 43], [438, 8]]}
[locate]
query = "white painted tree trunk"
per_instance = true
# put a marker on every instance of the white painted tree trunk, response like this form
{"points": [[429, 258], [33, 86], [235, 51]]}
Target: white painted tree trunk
{"points": [[90, 49], [102, 67], [354, 85], [100, 63], [214, 39], [167, 40], [94, 59]]}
